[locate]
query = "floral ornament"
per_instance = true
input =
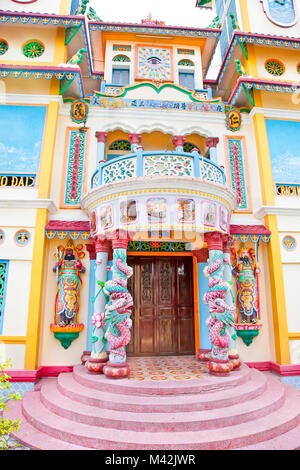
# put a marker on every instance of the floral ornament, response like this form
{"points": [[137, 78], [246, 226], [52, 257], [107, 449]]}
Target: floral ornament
{"points": [[274, 67], [3, 47], [97, 319], [33, 49]]}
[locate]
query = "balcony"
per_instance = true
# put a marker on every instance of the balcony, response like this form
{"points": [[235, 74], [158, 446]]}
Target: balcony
{"points": [[178, 194], [157, 164]]}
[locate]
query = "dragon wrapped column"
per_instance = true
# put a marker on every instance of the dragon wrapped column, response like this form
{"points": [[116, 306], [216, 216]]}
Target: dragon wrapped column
{"points": [[118, 311], [221, 319]]}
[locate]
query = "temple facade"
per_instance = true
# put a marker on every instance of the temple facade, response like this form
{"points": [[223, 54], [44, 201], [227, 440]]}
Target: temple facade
{"points": [[146, 209]]}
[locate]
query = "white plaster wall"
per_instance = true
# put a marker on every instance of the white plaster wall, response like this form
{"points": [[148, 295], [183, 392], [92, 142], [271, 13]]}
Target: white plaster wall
{"points": [[17, 298], [295, 351], [291, 286], [13, 352], [261, 24], [40, 6], [17, 37]]}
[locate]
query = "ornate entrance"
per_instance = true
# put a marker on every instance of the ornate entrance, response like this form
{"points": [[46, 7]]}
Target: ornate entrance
{"points": [[163, 313]]}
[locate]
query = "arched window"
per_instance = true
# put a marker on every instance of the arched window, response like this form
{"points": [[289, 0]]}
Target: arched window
{"points": [[121, 58], [188, 147], [117, 148], [186, 63]]}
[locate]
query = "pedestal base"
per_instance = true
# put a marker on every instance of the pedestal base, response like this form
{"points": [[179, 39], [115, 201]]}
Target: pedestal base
{"points": [[203, 355], [115, 370], [235, 361], [219, 367], [85, 356], [96, 364]]}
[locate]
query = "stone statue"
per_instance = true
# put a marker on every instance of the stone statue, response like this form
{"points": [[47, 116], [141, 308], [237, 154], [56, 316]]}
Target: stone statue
{"points": [[67, 268], [246, 270]]}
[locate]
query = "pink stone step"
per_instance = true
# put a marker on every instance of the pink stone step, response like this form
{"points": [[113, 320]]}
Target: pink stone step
{"points": [[207, 383], [287, 441], [264, 428], [33, 438], [59, 404], [255, 386]]}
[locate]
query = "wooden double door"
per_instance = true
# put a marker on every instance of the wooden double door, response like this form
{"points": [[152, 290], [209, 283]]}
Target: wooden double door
{"points": [[163, 313]]}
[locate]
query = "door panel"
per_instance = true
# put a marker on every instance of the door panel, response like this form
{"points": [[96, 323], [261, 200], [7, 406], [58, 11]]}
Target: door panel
{"points": [[163, 316]]}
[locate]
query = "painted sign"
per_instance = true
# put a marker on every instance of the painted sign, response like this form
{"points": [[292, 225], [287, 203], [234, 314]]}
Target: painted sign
{"points": [[19, 181], [233, 120], [157, 104], [79, 111]]}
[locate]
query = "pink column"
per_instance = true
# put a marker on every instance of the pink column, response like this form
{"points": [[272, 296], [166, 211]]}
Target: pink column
{"points": [[211, 143], [135, 141]]}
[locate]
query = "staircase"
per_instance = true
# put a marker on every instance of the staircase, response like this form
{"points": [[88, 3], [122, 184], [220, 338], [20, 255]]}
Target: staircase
{"points": [[78, 410]]}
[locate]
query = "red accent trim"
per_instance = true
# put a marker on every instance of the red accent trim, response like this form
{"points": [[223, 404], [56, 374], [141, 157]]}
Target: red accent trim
{"points": [[249, 230], [201, 255], [72, 225], [283, 370], [178, 140], [90, 247], [19, 375], [24, 2], [135, 138], [102, 246]]}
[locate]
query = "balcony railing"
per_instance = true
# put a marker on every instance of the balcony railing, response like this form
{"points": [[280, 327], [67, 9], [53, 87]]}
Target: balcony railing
{"points": [[155, 164]]}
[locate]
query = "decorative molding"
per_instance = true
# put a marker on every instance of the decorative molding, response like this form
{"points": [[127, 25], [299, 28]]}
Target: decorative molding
{"points": [[248, 83], [28, 204], [263, 211]]}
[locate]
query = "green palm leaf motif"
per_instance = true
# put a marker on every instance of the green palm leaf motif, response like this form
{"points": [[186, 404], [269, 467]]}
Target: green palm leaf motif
{"points": [[33, 49]]}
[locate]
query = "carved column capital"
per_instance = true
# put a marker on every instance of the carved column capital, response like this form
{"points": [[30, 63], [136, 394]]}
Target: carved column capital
{"points": [[178, 140], [212, 142], [90, 248], [101, 136], [135, 139], [214, 241]]}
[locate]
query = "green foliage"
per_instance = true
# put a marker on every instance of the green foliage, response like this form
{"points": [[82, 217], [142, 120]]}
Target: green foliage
{"points": [[7, 426]]}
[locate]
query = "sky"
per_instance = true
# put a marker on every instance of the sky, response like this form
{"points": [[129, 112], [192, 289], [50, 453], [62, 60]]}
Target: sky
{"points": [[172, 12]]}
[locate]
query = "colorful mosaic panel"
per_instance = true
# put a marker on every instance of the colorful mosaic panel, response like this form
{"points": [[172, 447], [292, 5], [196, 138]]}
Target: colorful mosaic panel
{"points": [[121, 58], [121, 48], [237, 173], [154, 63], [123, 145], [3, 282], [157, 246], [75, 168], [186, 63], [185, 51]]}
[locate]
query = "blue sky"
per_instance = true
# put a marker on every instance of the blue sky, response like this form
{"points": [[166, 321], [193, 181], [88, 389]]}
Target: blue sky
{"points": [[284, 138], [21, 135]]}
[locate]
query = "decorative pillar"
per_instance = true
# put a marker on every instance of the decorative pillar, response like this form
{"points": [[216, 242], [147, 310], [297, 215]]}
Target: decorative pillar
{"points": [[101, 139], [99, 356], [203, 354], [221, 314], [229, 299], [211, 143], [90, 248], [118, 312], [178, 141]]}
